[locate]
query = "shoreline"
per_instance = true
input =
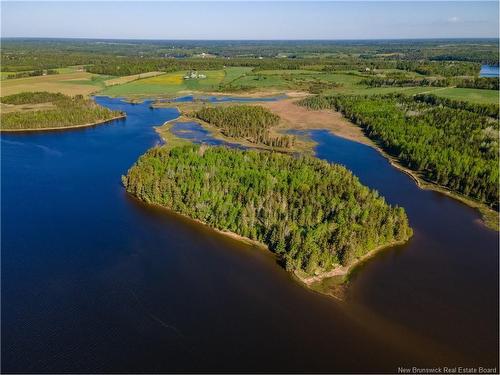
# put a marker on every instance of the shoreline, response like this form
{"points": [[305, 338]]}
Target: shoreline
{"points": [[163, 130], [489, 217], [345, 270], [64, 127], [296, 275]]}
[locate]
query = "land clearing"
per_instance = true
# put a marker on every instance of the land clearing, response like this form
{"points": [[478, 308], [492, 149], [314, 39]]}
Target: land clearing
{"points": [[166, 85], [76, 83]]}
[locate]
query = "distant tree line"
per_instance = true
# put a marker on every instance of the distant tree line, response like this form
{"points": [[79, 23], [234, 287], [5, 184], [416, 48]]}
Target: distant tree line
{"points": [[441, 68], [448, 142], [245, 121], [314, 215], [476, 83], [479, 50], [34, 73]]}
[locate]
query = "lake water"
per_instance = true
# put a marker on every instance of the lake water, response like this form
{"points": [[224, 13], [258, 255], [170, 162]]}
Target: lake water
{"points": [[224, 99], [95, 281], [195, 133], [489, 71]]}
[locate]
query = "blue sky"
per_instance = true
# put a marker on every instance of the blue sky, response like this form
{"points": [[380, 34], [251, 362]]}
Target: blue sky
{"points": [[250, 20]]}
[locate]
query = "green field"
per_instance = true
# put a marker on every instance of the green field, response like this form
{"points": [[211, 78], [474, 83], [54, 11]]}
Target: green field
{"points": [[472, 95], [288, 71], [4, 75], [243, 79], [68, 69], [167, 84], [233, 73], [71, 81]]}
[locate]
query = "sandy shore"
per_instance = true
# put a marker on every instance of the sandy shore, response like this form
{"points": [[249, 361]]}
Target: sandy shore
{"points": [[344, 270], [297, 117]]}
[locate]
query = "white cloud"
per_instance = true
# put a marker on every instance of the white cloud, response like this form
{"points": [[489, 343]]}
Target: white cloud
{"points": [[453, 19]]}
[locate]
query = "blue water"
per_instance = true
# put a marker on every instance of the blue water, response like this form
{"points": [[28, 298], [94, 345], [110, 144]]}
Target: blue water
{"points": [[489, 71], [223, 99], [195, 133], [94, 281], [446, 276]]}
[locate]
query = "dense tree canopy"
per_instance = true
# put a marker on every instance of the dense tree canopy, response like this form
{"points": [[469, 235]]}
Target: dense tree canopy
{"points": [[313, 214], [491, 110], [66, 111], [245, 121], [33, 98], [473, 83], [448, 145]]}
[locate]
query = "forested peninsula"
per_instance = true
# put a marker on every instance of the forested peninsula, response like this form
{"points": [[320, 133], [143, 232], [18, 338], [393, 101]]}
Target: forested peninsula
{"points": [[47, 111], [315, 216], [450, 143], [249, 122]]}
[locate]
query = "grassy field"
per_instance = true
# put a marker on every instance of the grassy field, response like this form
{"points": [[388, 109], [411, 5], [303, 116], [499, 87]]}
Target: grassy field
{"points": [[233, 73], [241, 79], [68, 69], [167, 84], [67, 83], [471, 95], [288, 71], [5, 75], [127, 79]]}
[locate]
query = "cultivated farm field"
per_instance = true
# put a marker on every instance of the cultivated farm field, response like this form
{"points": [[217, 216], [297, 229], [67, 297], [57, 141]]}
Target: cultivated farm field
{"points": [[67, 83]]}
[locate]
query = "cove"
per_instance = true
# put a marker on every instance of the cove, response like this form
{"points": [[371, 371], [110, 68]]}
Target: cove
{"points": [[94, 281]]}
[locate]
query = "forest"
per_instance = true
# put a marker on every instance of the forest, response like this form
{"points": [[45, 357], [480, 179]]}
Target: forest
{"points": [[491, 110], [314, 215], [65, 111], [245, 121], [119, 58], [446, 142], [473, 83]]}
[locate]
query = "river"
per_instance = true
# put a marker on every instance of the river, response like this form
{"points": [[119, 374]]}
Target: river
{"points": [[95, 281]]}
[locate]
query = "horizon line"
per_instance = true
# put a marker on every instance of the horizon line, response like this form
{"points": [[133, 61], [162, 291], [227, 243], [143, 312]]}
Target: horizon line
{"points": [[255, 40]]}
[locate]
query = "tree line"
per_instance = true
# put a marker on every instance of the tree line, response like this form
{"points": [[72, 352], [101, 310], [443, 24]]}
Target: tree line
{"points": [[485, 83], [314, 215], [449, 145], [33, 73], [245, 121], [441, 68], [491, 110]]}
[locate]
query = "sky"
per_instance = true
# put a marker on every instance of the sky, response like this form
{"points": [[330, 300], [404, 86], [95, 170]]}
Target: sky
{"points": [[250, 19]]}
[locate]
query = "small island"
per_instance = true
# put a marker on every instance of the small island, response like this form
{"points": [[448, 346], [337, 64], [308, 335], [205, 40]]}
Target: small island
{"points": [[34, 111], [315, 216]]}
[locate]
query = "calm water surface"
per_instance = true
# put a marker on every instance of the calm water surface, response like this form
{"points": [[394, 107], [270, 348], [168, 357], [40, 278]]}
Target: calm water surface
{"points": [[94, 281], [196, 133], [489, 71]]}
